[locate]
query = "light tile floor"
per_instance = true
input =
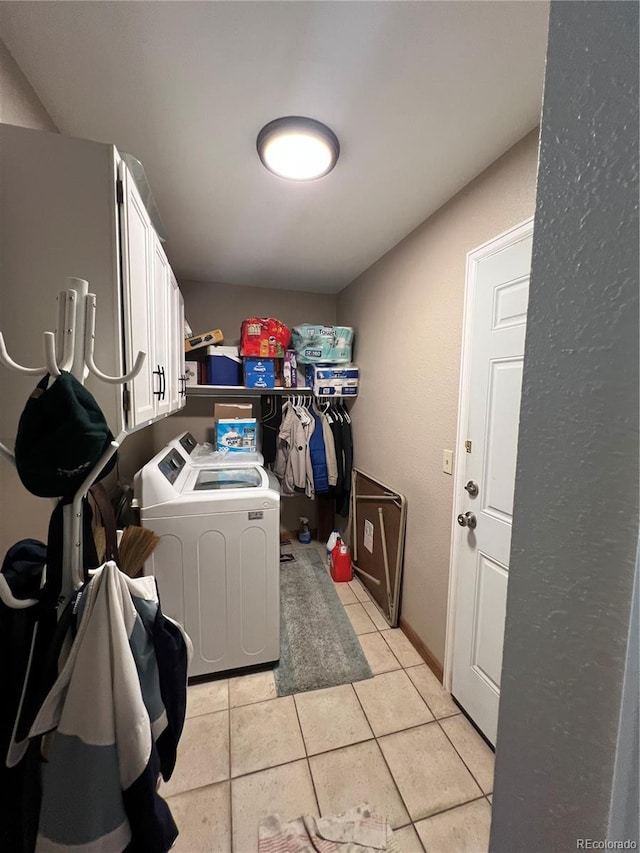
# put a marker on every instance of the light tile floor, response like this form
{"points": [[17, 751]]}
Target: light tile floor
{"points": [[397, 741]]}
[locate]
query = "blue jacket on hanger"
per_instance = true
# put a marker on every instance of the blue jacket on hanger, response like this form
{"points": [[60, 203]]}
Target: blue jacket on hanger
{"points": [[318, 456]]}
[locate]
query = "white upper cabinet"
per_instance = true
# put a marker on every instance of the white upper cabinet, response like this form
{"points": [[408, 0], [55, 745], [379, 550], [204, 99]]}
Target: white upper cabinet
{"points": [[71, 208], [162, 328], [178, 385], [138, 297]]}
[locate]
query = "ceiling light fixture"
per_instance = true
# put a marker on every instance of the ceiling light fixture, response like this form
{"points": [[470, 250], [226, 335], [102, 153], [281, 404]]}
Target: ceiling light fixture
{"points": [[298, 148]]}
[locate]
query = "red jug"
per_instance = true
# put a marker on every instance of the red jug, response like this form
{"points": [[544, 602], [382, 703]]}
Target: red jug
{"points": [[341, 569]]}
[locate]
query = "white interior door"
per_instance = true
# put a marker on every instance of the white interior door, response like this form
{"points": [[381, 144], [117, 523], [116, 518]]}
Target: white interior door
{"points": [[497, 297]]}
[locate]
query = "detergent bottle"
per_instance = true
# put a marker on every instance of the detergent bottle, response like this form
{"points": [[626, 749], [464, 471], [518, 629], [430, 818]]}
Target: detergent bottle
{"points": [[331, 544], [304, 533], [341, 568]]}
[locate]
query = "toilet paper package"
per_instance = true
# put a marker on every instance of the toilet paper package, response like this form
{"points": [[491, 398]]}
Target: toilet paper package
{"points": [[322, 344]]}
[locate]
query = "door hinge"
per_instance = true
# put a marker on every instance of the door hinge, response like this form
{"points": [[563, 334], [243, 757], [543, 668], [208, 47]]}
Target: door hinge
{"points": [[467, 446], [119, 192], [126, 399]]}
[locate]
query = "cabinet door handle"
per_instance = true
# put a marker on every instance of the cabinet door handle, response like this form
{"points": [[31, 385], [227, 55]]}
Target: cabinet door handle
{"points": [[158, 373], [164, 383]]}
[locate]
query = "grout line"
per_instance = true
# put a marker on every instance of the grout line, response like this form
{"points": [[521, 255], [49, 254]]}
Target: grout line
{"points": [[376, 738], [384, 631], [402, 800], [313, 785], [230, 784], [462, 759], [413, 827], [422, 847], [406, 728], [304, 741], [450, 809], [435, 717], [306, 754]]}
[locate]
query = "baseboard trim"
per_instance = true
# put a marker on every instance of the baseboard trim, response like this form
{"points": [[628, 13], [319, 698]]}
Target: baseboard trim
{"points": [[422, 650]]}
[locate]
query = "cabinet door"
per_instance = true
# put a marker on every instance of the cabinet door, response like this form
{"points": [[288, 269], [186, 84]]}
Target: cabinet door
{"points": [[176, 336], [137, 277], [162, 329]]}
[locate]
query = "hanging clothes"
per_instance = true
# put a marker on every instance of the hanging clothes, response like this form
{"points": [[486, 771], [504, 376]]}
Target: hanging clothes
{"points": [[106, 758], [271, 419], [293, 459], [329, 447], [25, 636], [318, 455], [340, 424]]}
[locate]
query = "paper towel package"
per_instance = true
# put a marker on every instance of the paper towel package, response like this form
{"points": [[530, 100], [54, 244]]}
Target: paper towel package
{"points": [[333, 381], [236, 436]]}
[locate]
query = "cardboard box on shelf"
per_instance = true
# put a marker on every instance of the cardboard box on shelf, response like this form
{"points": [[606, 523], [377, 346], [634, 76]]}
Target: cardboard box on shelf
{"points": [[259, 372], [290, 369], [236, 436], [215, 336], [333, 381], [229, 411]]}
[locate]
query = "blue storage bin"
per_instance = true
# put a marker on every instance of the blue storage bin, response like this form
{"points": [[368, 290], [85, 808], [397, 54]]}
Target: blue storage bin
{"points": [[224, 366]]}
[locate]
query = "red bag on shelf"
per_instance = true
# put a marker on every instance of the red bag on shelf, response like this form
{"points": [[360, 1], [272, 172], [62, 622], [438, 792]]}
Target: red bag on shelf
{"points": [[264, 337]]}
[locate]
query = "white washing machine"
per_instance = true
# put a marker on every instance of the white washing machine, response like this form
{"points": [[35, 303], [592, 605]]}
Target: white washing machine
{"points": [[218, 560]]}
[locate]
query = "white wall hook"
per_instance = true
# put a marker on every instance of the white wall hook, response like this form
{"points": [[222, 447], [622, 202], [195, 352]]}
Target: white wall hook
{"points": [[4, 451], [90, 336], [10, 600], [6, 359], [68, 331], [50, 354], [70, 349]]}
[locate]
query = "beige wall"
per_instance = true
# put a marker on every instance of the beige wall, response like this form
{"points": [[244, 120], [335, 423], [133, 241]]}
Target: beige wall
{"points": [[407, 312], [209, 305], [19, 104], [219, 306], [21, 514]]}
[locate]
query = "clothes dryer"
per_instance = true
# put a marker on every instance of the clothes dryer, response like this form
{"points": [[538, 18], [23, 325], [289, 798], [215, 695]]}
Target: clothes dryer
{"points": [[218, 560]]}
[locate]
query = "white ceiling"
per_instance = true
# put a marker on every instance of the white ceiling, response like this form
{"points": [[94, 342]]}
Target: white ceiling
{"points": [[422, 95]]}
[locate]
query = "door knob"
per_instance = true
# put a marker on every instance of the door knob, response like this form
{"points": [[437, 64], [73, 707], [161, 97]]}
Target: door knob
{"points": [[467, 519]]}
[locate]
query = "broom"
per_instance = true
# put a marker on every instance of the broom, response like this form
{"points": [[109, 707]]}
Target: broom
{"points": [[136, 546]]}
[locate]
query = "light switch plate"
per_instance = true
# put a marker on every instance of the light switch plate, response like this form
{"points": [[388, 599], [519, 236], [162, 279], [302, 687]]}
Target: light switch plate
{"points": [[447, 461]]}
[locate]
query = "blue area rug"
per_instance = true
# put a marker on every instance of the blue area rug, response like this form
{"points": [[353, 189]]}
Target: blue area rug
{"points": [[318, 646]]}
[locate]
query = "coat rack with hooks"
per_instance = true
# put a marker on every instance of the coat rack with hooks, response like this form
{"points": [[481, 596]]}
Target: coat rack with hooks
{"points": [[70, 348]]}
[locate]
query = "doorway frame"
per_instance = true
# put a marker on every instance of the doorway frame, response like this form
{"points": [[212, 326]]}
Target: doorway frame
{"points": [[474, 257]]}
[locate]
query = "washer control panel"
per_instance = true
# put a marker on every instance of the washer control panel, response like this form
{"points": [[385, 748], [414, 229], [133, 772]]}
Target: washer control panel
{"points": [[171, 465]]}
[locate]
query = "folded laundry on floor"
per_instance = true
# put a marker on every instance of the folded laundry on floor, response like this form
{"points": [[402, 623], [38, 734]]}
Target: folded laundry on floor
{"points": [[358, 830]]}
